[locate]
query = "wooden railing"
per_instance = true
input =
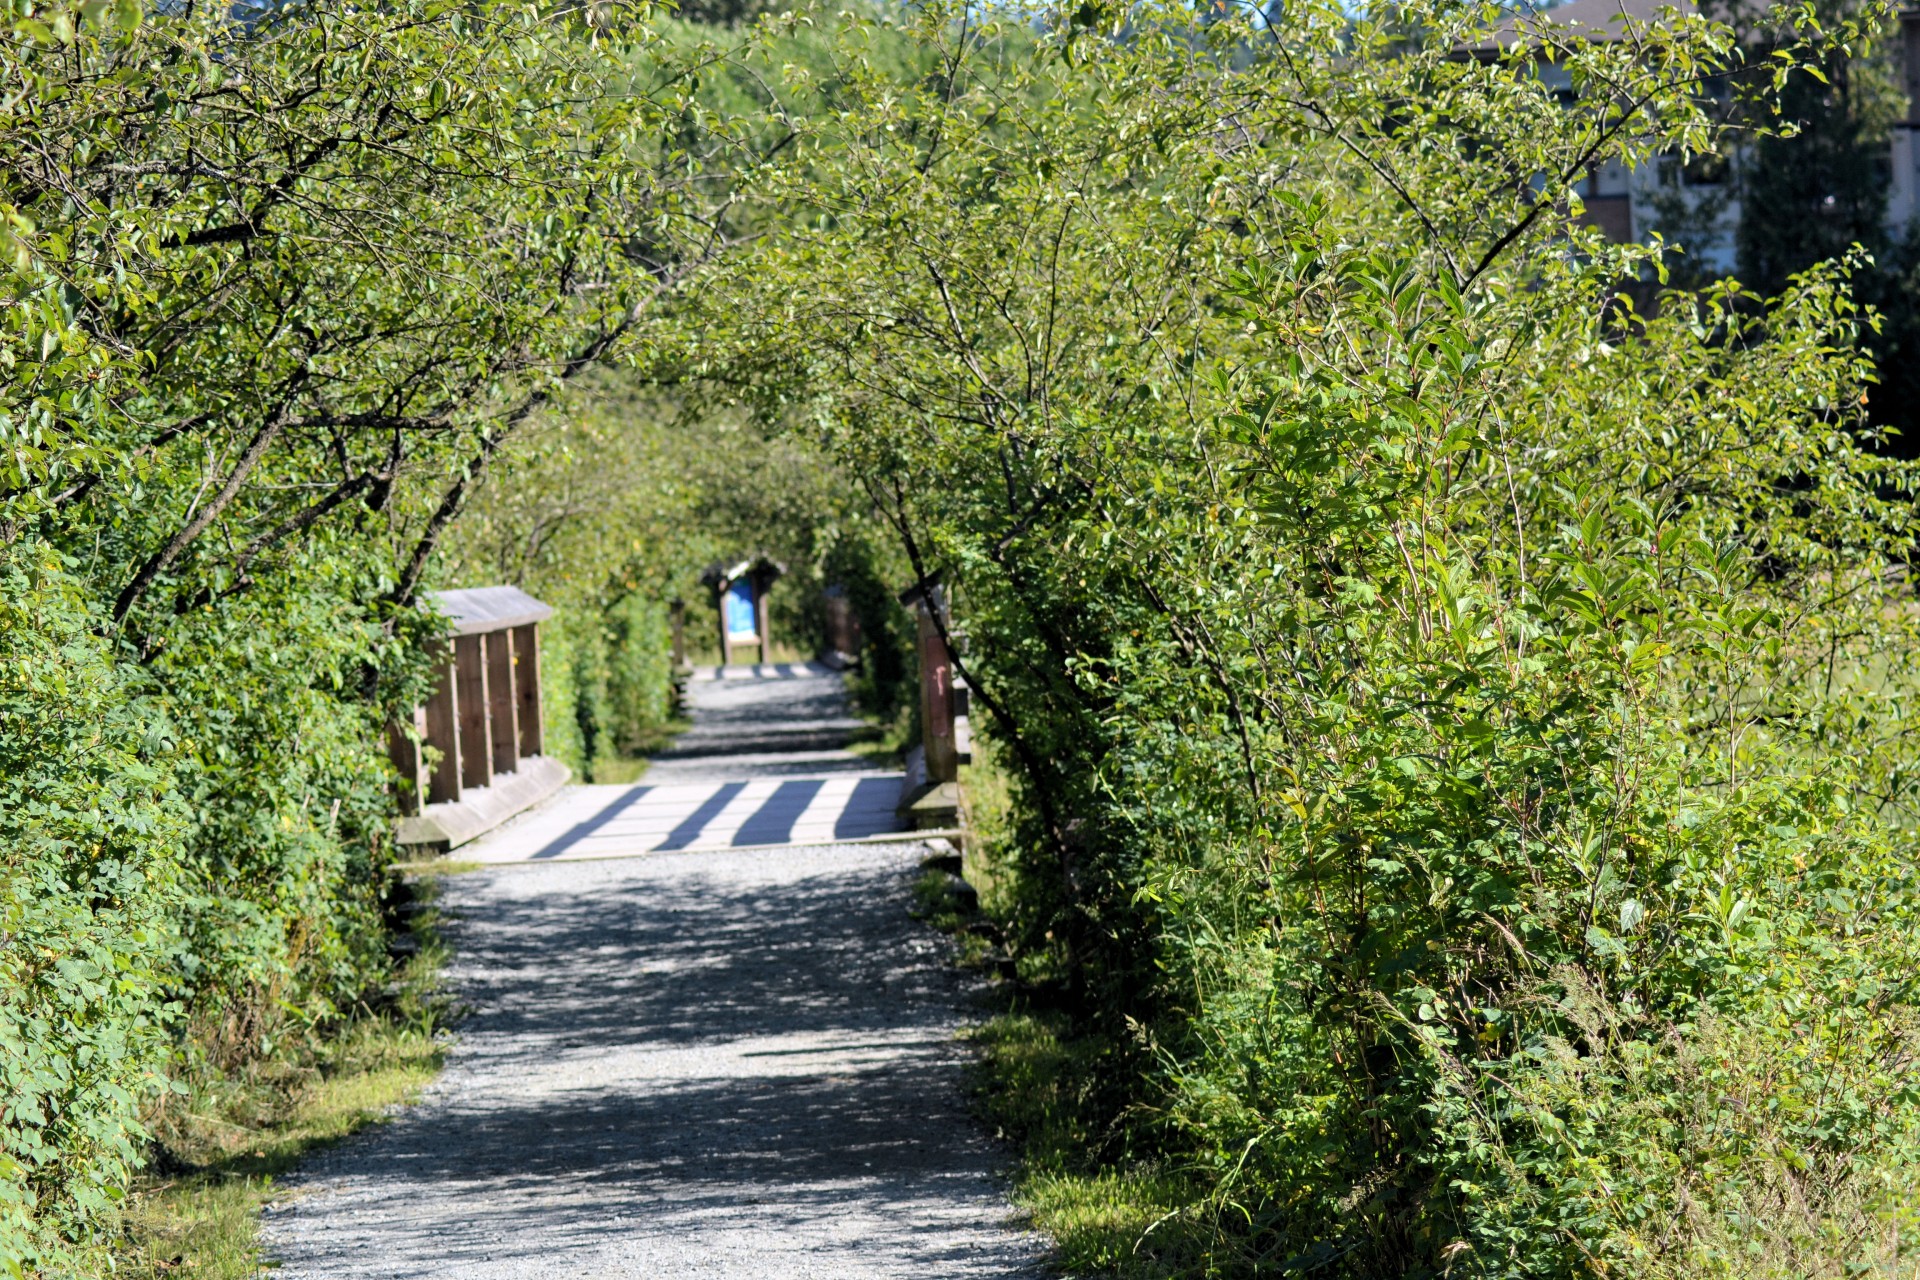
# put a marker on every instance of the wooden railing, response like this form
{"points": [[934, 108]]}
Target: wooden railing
{"points": [[485, 713], [931, 795]]}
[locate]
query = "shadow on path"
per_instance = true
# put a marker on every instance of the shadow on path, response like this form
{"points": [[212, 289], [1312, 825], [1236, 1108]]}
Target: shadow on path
{"points": [[706, 1064]]}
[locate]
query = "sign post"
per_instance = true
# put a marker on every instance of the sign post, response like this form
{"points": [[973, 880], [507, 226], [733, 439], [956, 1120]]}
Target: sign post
{"points": [[740, 617], [740, 604]]}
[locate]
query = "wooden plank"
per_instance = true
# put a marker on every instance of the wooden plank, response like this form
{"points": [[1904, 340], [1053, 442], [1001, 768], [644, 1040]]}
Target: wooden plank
{"points": [[476, 735], [526, 659], [936, 697], [443, 734], [504, 712]]}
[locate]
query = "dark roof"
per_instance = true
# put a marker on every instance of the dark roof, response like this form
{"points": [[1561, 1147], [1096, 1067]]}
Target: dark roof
{"points": [[481, 609], [720, 572]]}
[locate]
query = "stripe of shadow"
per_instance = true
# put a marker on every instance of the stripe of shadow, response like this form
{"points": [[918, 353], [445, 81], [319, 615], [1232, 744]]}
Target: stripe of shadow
{"points": [[689, 830], [869, 810], [581, 830], [772, 822]]}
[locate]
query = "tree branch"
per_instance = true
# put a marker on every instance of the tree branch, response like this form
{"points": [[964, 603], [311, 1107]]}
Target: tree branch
{"points": [[256, 449], [304, 519], [456, 497]]}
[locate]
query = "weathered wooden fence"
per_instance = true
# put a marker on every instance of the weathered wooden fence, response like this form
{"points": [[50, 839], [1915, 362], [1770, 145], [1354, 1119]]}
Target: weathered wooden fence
{"points": [[472, 757], [930, 797]]}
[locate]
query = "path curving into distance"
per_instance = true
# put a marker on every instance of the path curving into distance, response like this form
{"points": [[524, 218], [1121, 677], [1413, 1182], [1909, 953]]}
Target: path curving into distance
{"points": [[717, 1060]]}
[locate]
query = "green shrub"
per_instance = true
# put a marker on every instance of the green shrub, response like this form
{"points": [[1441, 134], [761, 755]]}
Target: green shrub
{"points": [[282, 772], [1462, 726], [561, 692], [90, 901], [231, 451], [640, 670]]}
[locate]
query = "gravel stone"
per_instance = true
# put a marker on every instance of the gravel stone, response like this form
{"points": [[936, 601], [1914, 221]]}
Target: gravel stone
{"points": [[737, 1063], [702, 1064]]}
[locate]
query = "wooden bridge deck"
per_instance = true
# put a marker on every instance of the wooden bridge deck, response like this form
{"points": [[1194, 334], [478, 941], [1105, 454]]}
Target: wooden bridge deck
{"points": [[765, 763]]}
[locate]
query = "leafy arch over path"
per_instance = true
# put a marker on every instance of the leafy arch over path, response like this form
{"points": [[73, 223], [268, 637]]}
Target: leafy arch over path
{"points": [[277, 292], [1456, 731]]}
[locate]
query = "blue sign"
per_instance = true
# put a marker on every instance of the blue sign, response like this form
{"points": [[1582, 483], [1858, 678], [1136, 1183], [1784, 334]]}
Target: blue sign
{"points": [[741, 622]]}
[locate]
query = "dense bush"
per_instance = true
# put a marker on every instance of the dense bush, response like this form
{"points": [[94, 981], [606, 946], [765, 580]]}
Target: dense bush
{"points": [[90, 900], [277, 291], [1463, 727]]}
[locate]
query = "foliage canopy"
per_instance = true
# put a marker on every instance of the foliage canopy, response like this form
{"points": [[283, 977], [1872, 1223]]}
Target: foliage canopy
{"points": [[1465, 749], [279, 285], [1465, 756]]}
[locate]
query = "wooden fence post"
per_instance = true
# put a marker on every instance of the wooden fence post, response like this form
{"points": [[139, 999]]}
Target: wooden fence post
{"points": [[762, 584], [405, 746], [931, 796], [503, 709], [843, 627], [936, 691], [476, 734]]}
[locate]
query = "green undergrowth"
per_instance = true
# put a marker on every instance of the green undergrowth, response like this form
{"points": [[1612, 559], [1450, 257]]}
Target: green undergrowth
{"points": [[881, 745], [627, 765], [882, 688], [222, 1147], [1044, 1089], [887, 738], [1037, 1087]]}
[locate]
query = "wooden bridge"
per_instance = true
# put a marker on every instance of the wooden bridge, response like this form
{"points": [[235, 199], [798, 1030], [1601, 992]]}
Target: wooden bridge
{"points": [[765, 763]]}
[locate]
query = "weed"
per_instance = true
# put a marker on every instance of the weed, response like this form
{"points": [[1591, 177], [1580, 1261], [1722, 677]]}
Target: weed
{"points": [[221, 1150]]}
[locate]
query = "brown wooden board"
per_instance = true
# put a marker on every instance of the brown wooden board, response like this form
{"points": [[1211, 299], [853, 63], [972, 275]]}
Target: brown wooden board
{"points": [[476, 736], [443, 734], [504, 711], [526, 653]]}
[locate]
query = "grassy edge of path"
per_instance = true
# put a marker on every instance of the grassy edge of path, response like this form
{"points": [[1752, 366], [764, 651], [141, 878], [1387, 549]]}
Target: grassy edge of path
{"points": [[1036, 1085], [225, 1145], [1125, 1218]]}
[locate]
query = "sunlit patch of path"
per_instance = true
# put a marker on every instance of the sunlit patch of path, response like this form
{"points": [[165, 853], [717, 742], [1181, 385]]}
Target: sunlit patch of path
{"points": [[765, 762]]}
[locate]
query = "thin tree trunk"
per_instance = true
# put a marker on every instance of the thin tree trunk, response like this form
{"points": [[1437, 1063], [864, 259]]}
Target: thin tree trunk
{"points": [[256, 449]]}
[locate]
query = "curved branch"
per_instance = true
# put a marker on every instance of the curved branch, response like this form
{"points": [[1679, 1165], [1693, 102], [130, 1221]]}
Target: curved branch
{"points": [[157, 563]]}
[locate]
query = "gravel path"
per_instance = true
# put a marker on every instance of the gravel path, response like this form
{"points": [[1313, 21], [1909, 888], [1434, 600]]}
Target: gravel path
{"points": [[709, 1064], [757, 727]]}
